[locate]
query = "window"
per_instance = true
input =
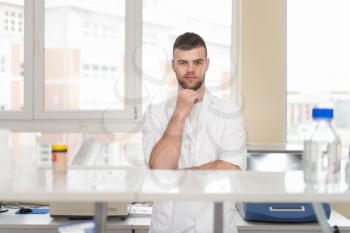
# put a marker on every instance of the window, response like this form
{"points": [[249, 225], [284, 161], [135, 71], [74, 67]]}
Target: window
{"points": [[11, 57], [86, 73], [318, 52], [77, 35], [63, 91]]}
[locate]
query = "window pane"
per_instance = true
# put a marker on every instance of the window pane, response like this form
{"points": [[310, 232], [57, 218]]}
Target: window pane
{"points": [[318, 70], [11, 55], [163, 21], [84, 54]]}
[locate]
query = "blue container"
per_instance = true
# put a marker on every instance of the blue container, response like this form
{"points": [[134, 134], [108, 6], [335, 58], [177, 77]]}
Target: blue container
{"points": [[281, 212]]}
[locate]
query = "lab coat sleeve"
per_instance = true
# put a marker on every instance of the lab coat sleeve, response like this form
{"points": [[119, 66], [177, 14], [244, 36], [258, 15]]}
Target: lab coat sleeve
{"points": [[152, 132], [233, 147]]}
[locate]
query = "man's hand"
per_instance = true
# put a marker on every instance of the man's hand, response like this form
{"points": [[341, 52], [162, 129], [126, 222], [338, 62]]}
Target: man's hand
{"points": [[185, 100], [216, 165], [166, 153]]}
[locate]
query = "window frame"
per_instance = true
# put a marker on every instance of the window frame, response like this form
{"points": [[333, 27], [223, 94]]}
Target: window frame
{"points": [[131, 88], [35, 118]]}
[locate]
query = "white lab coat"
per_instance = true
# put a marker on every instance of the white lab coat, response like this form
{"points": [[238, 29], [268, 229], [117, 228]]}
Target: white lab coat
{"points": [[217, 133]]}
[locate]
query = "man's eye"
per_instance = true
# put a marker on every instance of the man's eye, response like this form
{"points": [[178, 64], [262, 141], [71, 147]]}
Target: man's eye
{"points": [[198, 62]]}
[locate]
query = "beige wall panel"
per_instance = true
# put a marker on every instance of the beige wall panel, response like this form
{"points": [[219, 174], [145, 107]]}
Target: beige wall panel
{"points": [[262, 69]]}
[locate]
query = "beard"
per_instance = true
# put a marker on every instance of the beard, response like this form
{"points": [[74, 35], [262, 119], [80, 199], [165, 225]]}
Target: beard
{"points": [[195, 86]]}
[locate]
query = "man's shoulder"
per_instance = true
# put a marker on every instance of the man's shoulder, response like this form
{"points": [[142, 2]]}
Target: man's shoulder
{"points": [[160, 111], [223, 105], [161, 106]]}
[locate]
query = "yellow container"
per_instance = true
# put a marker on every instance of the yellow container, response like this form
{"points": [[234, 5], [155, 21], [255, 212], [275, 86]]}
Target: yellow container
{"points": [[59, 148], [59, 157]]}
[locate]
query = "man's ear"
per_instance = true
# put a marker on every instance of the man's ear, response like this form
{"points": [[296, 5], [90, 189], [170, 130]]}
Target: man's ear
{"points": [[173, 64], [208, 61]]}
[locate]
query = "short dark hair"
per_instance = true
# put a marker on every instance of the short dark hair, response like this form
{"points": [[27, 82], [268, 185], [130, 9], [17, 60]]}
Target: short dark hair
{"points": [[188, 41]]}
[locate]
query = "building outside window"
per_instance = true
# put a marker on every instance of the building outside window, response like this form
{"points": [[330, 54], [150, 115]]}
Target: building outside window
{"points": [[11, 55]]}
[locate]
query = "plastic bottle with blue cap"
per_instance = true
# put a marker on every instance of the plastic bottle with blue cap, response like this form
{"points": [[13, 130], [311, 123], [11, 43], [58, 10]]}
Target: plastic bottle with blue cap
{"points": [[322, 152]]}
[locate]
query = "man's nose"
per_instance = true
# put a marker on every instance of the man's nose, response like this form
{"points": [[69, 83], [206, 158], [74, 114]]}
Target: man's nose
{"points": [[190, 67]]}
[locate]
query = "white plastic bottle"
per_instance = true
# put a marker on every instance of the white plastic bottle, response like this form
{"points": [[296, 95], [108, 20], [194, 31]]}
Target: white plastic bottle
{"points": [[322, 152]]}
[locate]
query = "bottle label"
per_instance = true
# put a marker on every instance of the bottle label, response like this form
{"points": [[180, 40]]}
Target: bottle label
{"points": [[54, 158]]}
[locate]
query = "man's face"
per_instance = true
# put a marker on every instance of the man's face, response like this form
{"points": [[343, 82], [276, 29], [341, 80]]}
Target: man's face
{"points": [[190, 67]]}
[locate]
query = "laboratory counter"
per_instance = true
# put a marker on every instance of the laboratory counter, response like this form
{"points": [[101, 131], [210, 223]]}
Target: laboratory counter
{"points": [[101, 186]]}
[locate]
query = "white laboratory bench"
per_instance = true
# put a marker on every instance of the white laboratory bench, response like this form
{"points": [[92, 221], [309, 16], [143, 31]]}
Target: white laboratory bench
{"points": [[139, 185]]}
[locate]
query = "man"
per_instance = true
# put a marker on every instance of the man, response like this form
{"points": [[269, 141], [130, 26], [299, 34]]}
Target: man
{"points": [[195, 130]]}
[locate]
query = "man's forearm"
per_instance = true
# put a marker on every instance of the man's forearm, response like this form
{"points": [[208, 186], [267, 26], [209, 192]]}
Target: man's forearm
{"points": [[166, 153], [218, 165]]}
